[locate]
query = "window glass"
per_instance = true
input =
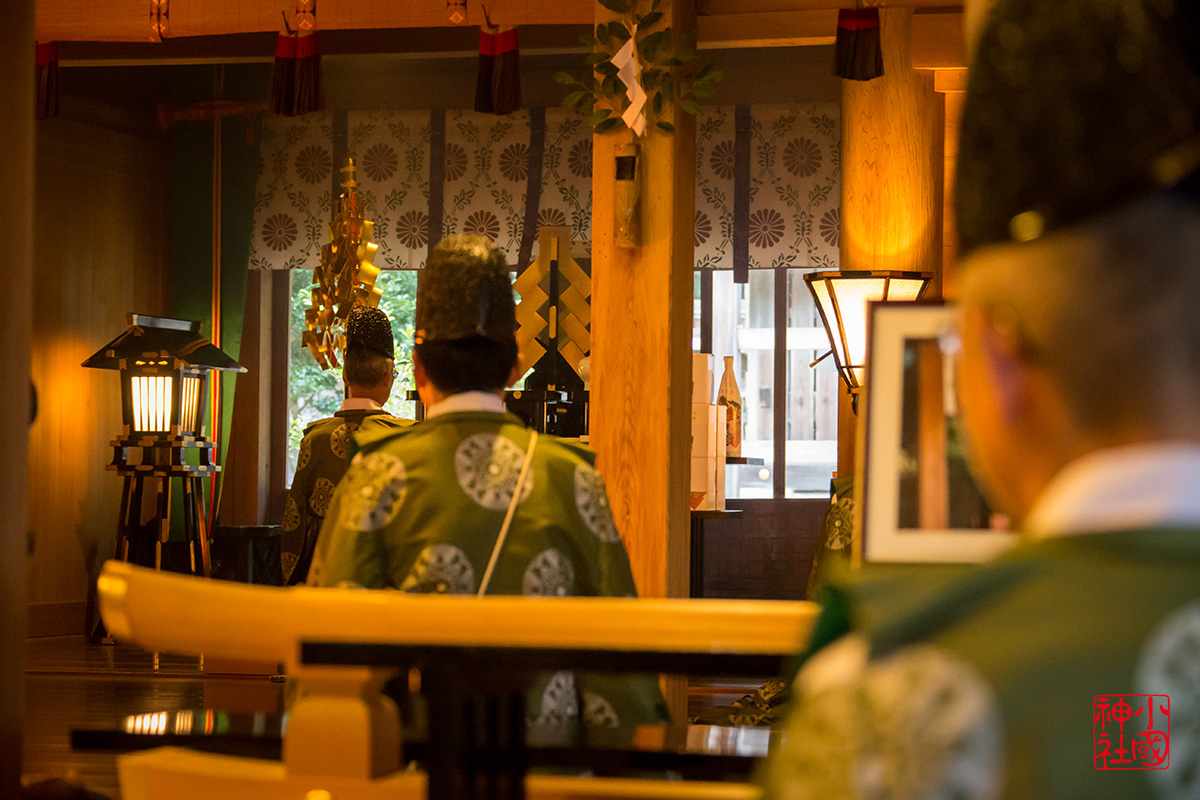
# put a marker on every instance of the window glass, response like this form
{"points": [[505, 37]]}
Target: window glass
{"points": [[811, 450], [314, 393], [744, 327]]}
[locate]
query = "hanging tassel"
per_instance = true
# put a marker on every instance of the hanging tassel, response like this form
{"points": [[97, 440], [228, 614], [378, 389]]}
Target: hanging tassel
{"points": [[47, 79], [456, 12], [296, 85], [498, 88], [857, 52]]}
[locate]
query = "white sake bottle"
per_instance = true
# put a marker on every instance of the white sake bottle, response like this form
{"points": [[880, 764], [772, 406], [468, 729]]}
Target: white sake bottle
{"points": [[729, 396]]}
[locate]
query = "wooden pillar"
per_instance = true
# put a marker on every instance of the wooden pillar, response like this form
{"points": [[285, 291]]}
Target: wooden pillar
{"points": [[951, 84], [892, 133], [246, 488], [641, 344], [16, 254]]}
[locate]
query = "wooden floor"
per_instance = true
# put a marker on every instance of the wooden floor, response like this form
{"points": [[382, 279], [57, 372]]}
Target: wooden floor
{"points": [[72, 684]]}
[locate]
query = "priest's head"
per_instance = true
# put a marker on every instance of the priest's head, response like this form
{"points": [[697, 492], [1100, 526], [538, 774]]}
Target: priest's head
{"points": [[465, 321], [368, 365], [1078, 212]]}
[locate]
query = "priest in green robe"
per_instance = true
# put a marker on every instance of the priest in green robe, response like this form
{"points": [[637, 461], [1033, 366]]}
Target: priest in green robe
{"points": [[470, 501], [1070, 666], [368, 371]]}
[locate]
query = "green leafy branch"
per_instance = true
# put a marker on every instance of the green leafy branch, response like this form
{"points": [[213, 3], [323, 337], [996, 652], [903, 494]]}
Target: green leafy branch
{"points": [[602, 95]]}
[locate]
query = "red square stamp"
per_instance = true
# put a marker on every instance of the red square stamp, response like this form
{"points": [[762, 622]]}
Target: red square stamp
{"points": [[1131, 731]]}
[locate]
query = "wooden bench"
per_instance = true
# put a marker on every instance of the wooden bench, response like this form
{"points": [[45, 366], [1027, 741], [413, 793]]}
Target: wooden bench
{"points": [[343, 735]]}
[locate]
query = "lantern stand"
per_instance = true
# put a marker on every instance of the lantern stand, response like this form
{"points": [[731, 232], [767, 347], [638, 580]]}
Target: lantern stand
{"points": [[164, 365]]}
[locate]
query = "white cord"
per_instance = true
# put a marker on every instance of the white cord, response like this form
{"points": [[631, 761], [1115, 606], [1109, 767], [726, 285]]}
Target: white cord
{"points": [[512, 507]]}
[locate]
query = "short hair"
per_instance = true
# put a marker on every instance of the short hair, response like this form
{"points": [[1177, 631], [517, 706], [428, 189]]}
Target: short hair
{"points": [[363, 367], [1107, 306], [468, 365]]}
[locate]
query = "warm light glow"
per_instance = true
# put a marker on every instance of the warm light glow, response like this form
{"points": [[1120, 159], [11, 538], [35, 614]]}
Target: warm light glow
{"points": [[843, 299], [153, 724], [183, 722], [188, 418], [151, 395]]}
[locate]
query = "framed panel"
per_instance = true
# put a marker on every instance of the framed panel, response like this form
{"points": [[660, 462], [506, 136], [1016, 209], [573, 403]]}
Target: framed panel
{"points": [[918, 502]]}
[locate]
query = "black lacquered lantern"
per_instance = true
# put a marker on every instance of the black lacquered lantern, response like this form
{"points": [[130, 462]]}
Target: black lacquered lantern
{"points": [[165, 366]]}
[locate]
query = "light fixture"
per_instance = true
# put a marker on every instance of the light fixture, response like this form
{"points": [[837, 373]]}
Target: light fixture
{"points": [[164, 365], [842, 299]]}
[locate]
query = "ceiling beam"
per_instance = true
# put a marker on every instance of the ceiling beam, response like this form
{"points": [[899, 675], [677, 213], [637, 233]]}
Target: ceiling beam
{"points": [[938, 40], [937, 30], [767, 28], [707, 7]]}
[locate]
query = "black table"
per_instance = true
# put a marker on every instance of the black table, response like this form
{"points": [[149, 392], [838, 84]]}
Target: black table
{"points": [[695, 752], [477, 750], [696, 567]]}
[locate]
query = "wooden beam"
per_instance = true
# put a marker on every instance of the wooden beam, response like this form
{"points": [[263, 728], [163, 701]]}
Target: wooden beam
{"points": [[892, 163], [641, 344], [707, 7], [767, 28], [950, 80], [938, 40], [125, 20], [754, 23]]}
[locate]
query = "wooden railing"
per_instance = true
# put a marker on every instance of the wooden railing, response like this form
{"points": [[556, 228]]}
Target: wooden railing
{"points": [[342, 645]]}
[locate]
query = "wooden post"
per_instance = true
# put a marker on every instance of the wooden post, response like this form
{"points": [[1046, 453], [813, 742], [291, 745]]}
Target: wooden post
{"points": [[16, 253], [951, 84], [892, 132], [641, 351], [933, 488]]}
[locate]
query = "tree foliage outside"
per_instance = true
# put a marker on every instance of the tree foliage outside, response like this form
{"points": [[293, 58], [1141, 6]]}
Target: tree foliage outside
{"points": [[314, 393]]}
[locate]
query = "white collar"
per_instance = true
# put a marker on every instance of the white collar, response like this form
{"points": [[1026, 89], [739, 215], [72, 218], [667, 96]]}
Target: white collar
{"points": [[1150, 485], [360, 404], [466, 401]]}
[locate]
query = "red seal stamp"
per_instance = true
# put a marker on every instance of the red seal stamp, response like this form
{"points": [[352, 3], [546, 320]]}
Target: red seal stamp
{"points": [[1131, 731]]}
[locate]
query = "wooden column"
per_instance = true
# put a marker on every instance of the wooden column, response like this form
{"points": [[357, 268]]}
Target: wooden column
{"points": [[892, 133], [951, 84], [641, 350], [16, 254], [246, 489]]}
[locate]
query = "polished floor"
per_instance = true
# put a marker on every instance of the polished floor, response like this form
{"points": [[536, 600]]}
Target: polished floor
{"points": [[71, 684]]}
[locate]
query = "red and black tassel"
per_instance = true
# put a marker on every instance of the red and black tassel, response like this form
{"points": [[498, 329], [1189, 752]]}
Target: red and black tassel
{"points": [[296, 85], [858, 55], [498, 90], [47, 79]]}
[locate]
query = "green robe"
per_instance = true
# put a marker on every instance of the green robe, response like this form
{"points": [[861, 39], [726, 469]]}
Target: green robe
{"points": [[420, 511], [1000, 681], [323, 459]]}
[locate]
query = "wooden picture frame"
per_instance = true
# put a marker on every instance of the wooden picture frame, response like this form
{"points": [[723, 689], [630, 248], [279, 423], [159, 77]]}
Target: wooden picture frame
{"points": [[918, 502]]}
